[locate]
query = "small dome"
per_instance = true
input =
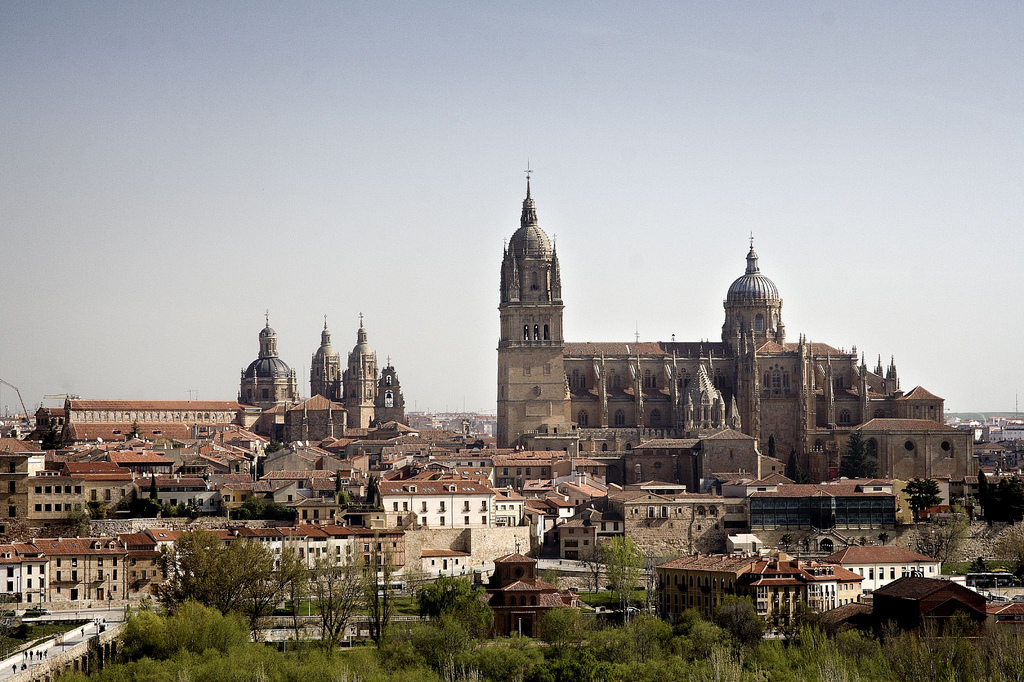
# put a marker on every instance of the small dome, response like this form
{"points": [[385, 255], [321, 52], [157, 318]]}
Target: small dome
{"points": [[752, 286], [267, 331], [268, 368]]}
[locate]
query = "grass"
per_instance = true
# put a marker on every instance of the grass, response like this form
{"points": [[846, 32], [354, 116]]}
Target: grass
{"points": [[963, 567], [607, 598]]}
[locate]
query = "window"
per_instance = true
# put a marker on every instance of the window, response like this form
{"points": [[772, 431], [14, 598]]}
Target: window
{"points": [[620, 417], [547, 333], [655, 418], [526, 332], [759, 323], [536, 333], [582, 418], [844, 417]]}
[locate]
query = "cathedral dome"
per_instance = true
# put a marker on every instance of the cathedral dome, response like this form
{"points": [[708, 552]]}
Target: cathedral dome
{"points": [[325, 350], [529, 239], [752, 286], [267, 331], [268, 368]]}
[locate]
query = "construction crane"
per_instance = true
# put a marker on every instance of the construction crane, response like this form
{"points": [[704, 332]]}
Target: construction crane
{"points": [[24, 409]]}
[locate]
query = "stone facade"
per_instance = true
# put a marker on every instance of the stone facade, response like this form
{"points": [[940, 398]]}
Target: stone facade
{"points": [[809, 396], [663, 525]]}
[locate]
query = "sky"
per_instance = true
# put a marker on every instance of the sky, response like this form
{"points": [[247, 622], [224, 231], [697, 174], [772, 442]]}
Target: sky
{"points": [[169, 171]]}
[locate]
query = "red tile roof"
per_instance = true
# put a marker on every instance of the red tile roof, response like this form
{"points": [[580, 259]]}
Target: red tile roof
{"points": [[885, 424], [919, 393], [154, 405], [885, 554]]}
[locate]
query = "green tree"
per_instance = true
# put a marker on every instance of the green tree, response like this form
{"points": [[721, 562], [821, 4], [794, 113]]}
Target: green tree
{"points": [[154, 492], [883, 537], [272, 447], [793, 471], [785, 541], [134, 433], [944, 537], [922, 494], [456, 597], [200, 567], [622, 566], [562, 628], [857, 463], [771, 446], [738, 617], [52, 439]]}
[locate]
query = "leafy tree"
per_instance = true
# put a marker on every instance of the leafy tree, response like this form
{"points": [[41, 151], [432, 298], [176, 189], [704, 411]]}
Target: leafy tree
{"points": [[339, 591], [52, 438], [456, 597], [857, 463], [272, 447], [200, 567], [268, 586], [97, 510], [738, 617], [622, 566], [785, 541], [154, 493], [883, 537], [562, 628], [78, 520], [134, 433], [771, 446], [550, 576], [922, 494], [1010, 548], [650, 635]]}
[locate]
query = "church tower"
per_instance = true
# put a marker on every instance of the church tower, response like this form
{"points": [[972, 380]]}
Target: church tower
{"points": [[268, 380], [360, 381], [325, 369], [390, 404], [532, 393]]}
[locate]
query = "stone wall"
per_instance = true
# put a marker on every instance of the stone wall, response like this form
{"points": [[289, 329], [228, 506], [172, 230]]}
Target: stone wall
{"points": [[483, 545], [110, 527]]}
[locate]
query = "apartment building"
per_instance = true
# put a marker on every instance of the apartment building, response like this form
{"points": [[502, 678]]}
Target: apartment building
{"points": [[437, 504], [82, 569]]}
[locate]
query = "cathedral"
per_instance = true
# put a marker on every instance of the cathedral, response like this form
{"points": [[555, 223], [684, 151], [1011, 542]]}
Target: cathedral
{"points": [[353, 397], [808, 397]]}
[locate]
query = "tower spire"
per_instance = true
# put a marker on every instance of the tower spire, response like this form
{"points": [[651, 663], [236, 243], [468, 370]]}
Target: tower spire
{"points": [[529, 216]]}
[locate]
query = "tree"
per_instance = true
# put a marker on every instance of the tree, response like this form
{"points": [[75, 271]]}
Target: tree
{"points": [[983, 493], [793, 470], [922, 494], [771, 446], [154, 493], [857, 463], [272, 447], [268, 586], [1010, 548], [134, 433], [339, 591], [52, 438], [456, 597], [562, 628], [883, 537], [593, 560], [199, 567], [377, 588], [945, 536], [737, 616], [622, 566], [785, 541]]}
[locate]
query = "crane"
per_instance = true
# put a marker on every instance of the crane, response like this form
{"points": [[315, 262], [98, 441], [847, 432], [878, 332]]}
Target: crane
{"points": [[24, 409]]}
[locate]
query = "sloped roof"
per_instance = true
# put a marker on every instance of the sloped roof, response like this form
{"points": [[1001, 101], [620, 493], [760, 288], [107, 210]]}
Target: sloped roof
{"points": [[884, 554], [919, 393], [886, 424]]}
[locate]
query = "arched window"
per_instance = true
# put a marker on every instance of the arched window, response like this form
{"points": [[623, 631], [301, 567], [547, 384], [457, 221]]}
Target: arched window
{"points": [[536, 332], [647, 378], [785, 379], [826, 545], [767, 380], [818, 446], [775, 320], [582, 419], [526, 332], [759, 323], [616, 381], [655, 418], [533, 281], [844, 417], [839, 382], [604, 447], [620, 417], [547, 333], [879, 414], [776, 380], [389, 399], [387, 379]]}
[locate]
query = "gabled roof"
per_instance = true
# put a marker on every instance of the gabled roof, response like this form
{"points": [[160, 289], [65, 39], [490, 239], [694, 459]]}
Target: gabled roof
{"points": [[919, 393], [11, 446], [913, 587], [886, 424]]}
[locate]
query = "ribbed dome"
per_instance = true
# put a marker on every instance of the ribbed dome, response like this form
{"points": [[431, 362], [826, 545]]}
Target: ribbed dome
{"points": [[752, 286], [529, 239], [267, 331], [268, 368]]}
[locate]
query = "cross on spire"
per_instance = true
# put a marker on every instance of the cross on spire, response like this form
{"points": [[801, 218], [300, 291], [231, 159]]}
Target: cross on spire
{"points": [[266, 316], [360, 319], [751, 239], [325, 322]]}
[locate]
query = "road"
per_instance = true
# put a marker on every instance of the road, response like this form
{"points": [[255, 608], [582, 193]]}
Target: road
{"points": [[41, 652], [114, 615]]}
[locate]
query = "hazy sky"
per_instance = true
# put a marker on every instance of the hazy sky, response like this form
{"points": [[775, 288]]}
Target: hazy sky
{"points": [[170, 170]]}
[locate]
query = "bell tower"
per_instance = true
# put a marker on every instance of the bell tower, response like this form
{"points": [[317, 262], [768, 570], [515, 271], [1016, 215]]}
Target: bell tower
{"points": [[532, 393]]}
